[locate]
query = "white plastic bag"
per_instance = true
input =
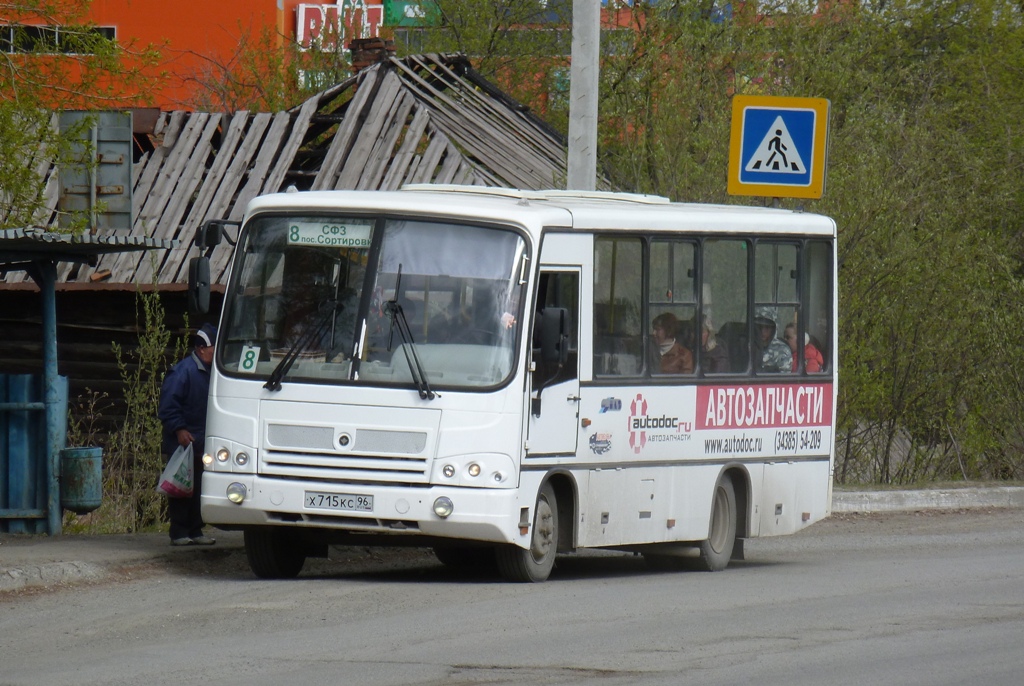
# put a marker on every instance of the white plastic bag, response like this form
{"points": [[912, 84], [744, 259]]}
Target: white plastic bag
{"points": [[176, 480]]}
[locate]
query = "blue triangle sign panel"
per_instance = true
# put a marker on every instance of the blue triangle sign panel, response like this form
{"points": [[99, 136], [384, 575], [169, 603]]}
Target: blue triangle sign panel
{"points": [[778, 153], [778, 146]]}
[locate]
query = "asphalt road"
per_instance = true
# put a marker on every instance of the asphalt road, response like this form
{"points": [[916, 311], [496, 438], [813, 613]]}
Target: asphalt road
{"points": [[926, 598]]}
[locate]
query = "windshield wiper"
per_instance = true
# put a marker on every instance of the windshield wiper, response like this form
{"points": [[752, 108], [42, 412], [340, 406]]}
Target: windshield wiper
{"points": [[397, 314], [313, 333]]}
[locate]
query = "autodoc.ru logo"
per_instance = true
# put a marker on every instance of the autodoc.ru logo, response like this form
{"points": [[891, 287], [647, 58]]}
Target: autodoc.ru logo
{"points": [[637, 420], [657, 428]]}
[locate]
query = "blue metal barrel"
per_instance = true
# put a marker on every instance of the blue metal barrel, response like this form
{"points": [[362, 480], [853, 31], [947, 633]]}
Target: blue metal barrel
{"points": [[81, 479]]}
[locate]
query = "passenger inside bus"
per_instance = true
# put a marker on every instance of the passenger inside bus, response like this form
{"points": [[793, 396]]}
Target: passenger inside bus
{"points": [[813, 360], [313, 305], [733, 338], [671, 357], [714, 357], [304, 285], [773, 355]]}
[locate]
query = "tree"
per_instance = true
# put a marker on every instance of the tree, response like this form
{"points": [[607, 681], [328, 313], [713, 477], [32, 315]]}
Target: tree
{"points": [[268, 73], [52, 60], [925, 181]]}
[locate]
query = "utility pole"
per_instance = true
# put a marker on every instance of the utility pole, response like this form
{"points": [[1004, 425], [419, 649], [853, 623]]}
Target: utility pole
{"points": [[583, 92]]}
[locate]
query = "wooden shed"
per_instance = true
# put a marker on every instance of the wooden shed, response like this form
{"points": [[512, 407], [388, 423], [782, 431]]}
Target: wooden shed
{"points": [[419, 119]]}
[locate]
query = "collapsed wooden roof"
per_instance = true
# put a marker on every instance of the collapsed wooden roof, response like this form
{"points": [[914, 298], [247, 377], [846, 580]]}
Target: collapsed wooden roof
{"points": [[419, 119]]}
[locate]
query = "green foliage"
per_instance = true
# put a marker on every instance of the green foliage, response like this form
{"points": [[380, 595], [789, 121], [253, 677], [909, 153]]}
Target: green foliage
{"points": [[925, 181], [132, 459]]}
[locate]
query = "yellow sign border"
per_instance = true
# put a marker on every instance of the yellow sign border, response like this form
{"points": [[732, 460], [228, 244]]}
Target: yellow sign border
{"points": [[818, 155]]}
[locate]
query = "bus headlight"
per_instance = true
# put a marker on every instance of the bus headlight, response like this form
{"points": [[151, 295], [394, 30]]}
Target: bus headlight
{"points": [[448, 471], [236, 492], [242, 459], [443, 507], [207, 459], [223, 455], [474, 469]]}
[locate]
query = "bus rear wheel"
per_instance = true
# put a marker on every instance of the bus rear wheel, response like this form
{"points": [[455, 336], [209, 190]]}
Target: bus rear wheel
{"points": [[534, 564], [273, 554], [716, 551]]}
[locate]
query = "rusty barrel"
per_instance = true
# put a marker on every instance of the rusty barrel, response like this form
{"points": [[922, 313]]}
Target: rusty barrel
{"points": [[81, 479]]}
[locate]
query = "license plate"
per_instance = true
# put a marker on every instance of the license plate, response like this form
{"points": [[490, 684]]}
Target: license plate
{"points": [[339, 501]]}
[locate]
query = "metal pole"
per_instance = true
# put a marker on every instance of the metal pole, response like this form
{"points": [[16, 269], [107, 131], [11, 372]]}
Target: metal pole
{"points": [[55, 432], [93, 175], [583, 95]]}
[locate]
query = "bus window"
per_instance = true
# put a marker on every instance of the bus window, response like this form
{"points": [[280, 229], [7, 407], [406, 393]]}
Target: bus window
{"points": [[559, 289], [776, 305], [724, 298], [618, 307], [818, 321], [672, 307]]}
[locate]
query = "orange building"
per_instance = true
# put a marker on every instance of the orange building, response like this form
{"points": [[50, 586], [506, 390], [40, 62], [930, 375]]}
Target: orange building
{"points": [[196, 37]]}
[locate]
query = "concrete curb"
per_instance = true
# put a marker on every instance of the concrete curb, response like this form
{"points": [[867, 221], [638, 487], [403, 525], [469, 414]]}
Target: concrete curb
{"points": [[50, 574], [929, 499]]}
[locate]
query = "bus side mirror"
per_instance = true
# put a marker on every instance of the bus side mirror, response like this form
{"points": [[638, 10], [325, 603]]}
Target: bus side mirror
{"points": [[199, 285], [554, 336], [208, 234]]}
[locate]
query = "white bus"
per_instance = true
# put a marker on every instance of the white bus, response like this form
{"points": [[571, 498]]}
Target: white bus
{"points": [[508, 375]]}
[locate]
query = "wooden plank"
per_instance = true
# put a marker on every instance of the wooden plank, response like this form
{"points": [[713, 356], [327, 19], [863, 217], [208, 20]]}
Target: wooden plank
{"points": [[161, 124], [451, 164], [446, 116], [137, 168], [125, 266], [354, 165], [412, 170], [522, 128], [191, 177], [493, 143], [266, 157], [338, 150], [399, 167], [380, 156], [148, 178], [464, 174], [224, 198], [116, 263], [168, 226], [171, 174], [428, 165], [299, 128], [199, 212], [51, 192]]}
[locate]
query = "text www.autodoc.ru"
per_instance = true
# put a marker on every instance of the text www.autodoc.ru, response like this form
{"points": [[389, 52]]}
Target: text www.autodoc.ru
{"points": [[732, 445]]}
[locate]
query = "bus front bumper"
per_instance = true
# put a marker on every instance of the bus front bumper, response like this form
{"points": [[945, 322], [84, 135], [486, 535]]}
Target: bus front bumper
{"points": [[479, 514]]}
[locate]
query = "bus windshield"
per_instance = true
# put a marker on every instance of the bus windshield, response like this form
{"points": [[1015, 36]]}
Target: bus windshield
{"points": [[333, 299]]}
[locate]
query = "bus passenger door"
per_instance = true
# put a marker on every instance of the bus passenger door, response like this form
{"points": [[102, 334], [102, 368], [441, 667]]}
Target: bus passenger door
{"points": [[555, 392]]}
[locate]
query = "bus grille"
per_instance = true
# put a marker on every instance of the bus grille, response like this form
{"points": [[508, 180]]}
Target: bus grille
{"points": [[310, 452]]}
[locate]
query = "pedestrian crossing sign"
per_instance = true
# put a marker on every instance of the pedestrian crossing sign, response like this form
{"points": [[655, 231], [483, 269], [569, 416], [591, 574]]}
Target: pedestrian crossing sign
{"points": [[778, 146]]}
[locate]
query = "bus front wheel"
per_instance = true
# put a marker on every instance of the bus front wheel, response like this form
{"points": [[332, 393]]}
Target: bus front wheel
{"points": [[716, 551], [273, 554], [535, 563]]}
